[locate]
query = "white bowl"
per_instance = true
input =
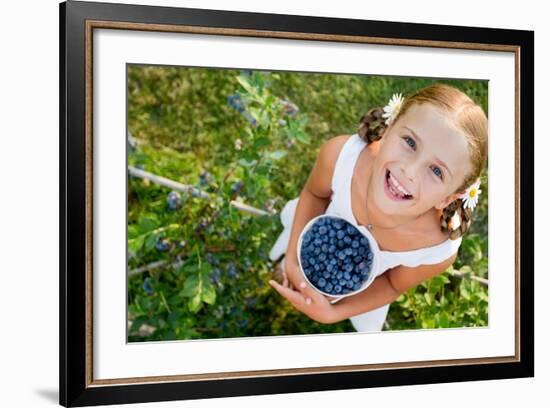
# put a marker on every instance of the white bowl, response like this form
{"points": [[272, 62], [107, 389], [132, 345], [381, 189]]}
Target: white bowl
{"points": [[373, 248]]}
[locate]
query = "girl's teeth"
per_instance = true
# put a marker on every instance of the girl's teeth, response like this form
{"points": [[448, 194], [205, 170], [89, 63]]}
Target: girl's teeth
{"points": [[398, 186]]}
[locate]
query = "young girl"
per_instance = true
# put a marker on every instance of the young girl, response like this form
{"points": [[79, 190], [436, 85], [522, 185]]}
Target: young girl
{"points": [[411, 177]]}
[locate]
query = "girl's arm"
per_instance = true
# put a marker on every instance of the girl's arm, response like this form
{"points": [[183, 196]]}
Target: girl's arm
{"points": [[387, 287], [313, 201]]}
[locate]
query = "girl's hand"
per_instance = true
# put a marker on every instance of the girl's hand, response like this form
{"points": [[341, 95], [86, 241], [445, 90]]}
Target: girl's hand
{"points": [[308, 301]]}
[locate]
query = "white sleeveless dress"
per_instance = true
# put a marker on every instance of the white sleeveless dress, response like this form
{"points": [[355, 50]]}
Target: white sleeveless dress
{"points": [[340, 205]]}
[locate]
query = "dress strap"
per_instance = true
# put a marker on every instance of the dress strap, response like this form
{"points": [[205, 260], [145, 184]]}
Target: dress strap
{"points": [[345, 164]]}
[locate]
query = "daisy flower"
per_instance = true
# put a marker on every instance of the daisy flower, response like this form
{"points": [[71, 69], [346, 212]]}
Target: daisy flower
{"points": [[471, 196], [392, 108]]}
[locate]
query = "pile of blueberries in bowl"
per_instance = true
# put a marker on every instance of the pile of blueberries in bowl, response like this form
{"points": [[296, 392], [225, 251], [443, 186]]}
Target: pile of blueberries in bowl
{"points": [[335, 257]]}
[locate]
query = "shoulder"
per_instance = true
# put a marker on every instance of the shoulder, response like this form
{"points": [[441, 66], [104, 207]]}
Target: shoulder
{"points": [[319, 182], [330, 150]]}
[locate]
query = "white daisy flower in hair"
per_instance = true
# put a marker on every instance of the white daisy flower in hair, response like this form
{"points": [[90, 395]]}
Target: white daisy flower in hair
{"points": [[471, 196], [392, 108]]}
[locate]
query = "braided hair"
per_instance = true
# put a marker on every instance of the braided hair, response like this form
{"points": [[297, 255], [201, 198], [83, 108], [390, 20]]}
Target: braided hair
{"points": [[469, 118]]}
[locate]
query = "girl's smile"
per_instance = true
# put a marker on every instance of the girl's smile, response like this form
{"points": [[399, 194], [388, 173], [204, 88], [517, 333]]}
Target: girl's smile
{"points": [[421, 161]]}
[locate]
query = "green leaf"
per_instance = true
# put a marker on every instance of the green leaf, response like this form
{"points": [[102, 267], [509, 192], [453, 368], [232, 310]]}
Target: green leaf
{"points": [[150, 242], [261, 142], [246, 163], [303, 138], [428, 298], [191, 286], [134, 245], [277, 155], [209, 294], [195, 303], [246, 85], [147, 224]]}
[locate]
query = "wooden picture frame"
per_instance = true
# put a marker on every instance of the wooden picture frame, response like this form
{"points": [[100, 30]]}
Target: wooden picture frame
{"points": [[79, 21]]}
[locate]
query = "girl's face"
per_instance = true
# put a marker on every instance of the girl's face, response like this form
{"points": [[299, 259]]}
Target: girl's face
{"points": [[421, 162]]}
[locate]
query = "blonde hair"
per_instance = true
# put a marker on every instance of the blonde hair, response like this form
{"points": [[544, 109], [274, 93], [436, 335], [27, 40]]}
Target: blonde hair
{"points": [[465, 115]]}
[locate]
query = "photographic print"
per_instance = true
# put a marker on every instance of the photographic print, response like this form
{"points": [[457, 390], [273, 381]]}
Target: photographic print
{"points": [[217, 160], [257, 204]]}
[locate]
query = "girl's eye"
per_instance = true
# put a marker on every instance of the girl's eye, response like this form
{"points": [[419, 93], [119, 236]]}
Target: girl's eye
{"points": [[437, 171], [410, 142]]}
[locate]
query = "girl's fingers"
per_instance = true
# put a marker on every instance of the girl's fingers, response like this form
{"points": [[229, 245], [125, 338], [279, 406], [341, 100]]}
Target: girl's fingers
{"points": [[308, 292], [292, 296]]}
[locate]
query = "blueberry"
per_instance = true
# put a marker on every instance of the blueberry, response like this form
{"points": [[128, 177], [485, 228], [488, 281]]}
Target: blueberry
{"points": [[330, 267], [361, 250], [216, 276], [347, 276], [347, 240], [337, 289], [340, 234], [328, 287], [323, 230], [324, 248], [322, 257], [235, 102], [236, 187], [232, 271], [326, 274], [354, 244], [369, 256], [357, 286], [174, 200], [321, 282], [340, 275], [364, 241], [147, 286], [342, 255], [162, 244], [348, 251], [355, 278], [204, 177], [342, 282]]}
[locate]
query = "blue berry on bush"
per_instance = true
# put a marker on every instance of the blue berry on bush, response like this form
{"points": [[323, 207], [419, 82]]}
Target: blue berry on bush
{"points": [[162, 244], [236, 187], [204, 178], [232, 270], [174, 200], [147, 286]]}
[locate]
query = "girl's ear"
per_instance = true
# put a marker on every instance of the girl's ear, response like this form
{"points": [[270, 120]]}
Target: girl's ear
{"points": [[444, 203]]}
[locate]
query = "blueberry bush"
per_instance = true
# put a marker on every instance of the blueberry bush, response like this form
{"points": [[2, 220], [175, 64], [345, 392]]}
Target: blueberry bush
{"points": [[198, 266]]}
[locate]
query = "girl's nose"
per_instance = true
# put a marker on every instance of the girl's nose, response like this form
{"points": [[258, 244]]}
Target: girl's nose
{"points": [[410, 169]]}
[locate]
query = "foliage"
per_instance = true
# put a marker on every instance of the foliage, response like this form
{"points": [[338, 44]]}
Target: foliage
{"points": [[251, 137]]}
